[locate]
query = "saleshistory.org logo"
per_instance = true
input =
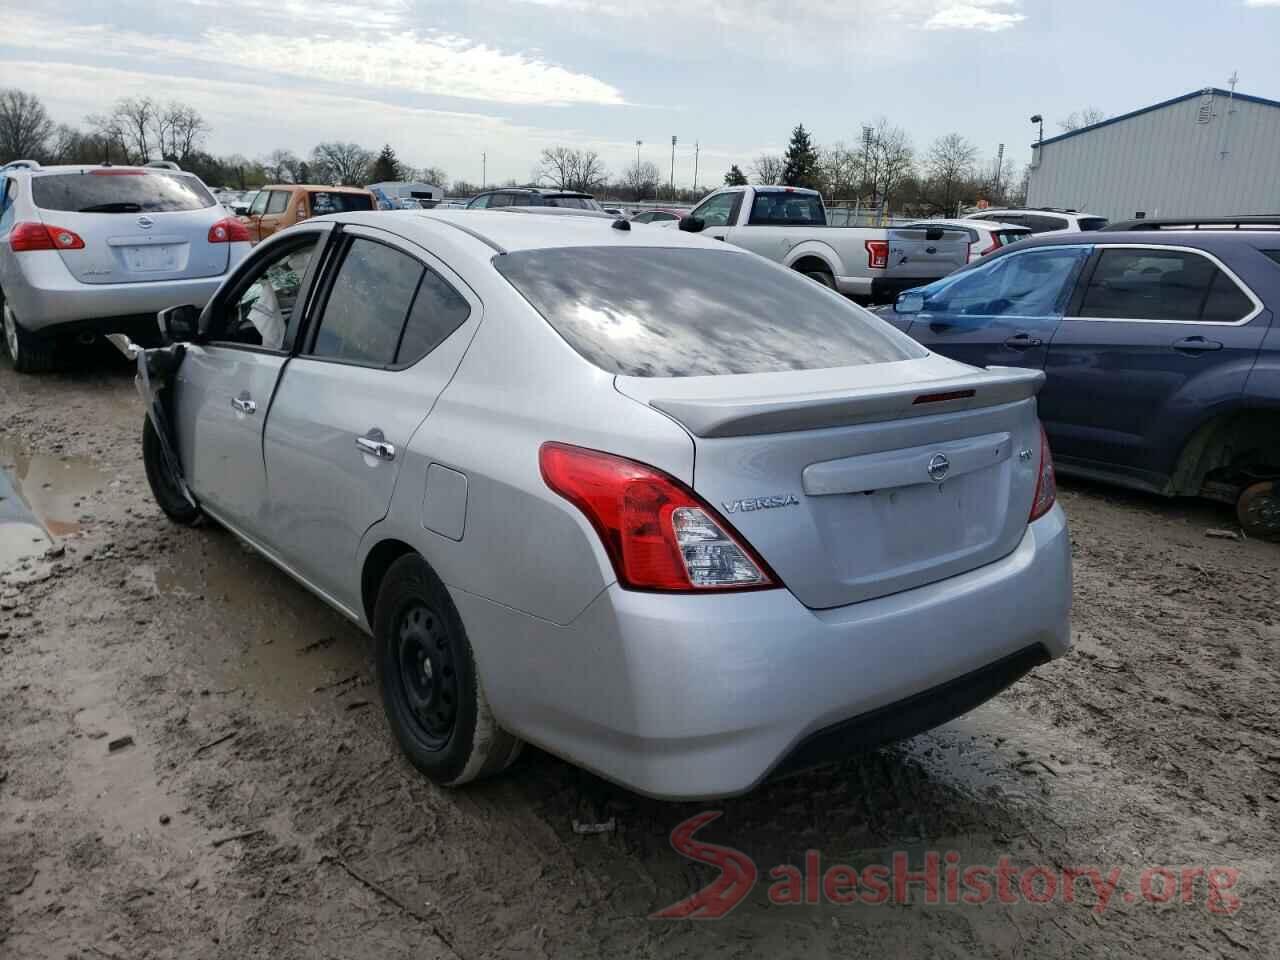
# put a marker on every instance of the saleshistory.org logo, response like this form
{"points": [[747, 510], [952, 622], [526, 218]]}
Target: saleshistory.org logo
{"points": [[941, 879]]}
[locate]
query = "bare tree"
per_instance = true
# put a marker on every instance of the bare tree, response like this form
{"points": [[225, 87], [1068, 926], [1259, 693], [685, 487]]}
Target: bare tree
{"points": [[768, 168], [841, 169], [25, 127], [950, 168], [568, 169], [640, 179], [1078, 119], [432, 175], [888, 158], [133, 119], [187, 130], [341, 163], [281, 166]]}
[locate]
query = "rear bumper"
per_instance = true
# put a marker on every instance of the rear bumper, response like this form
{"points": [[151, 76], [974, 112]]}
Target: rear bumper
{"points": [[693, 697], [854, 286], [46, 298]]}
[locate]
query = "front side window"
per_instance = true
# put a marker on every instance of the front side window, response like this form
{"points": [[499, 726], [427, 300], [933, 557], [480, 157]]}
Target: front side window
{"points": [[479, 203], [1169, 285], [499, 200], [367, 305], [278, 202], [664, 312], [262, 314], [716, 211], [259, 206], [1030, 284], [120, 190], [645, 218]]}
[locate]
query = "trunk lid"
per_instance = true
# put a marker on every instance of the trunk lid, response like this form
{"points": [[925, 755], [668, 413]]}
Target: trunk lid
{"points": [[137, 226], [855, 483], [926, 253]]}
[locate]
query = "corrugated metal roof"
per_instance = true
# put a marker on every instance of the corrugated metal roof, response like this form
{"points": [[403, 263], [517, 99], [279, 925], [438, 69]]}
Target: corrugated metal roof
{"points": [[1216, 91]]}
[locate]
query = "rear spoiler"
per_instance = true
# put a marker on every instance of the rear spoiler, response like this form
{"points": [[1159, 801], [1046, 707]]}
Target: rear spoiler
{"points": [[730, 417]]}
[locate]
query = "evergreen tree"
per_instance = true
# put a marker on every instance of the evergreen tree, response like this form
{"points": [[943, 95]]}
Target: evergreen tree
{"points": [[735, 177], [801, 161], [386, 167]]}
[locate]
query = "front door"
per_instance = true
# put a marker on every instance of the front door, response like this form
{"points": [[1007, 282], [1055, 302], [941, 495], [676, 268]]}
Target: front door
{"points": [[1002, 313], [377, 355], [273, 218], [1158, 339], [253, 219], [718, 214], [226, 382]]}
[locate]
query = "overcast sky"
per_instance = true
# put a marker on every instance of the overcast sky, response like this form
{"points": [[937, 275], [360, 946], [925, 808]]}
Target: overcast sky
{"points": [[444, 82]]}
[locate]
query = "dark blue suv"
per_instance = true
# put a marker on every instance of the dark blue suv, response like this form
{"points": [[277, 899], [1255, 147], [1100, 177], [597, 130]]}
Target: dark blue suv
{"points": [[1160, 346]]}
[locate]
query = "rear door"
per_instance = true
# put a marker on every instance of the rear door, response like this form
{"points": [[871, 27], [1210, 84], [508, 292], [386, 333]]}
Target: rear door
{"points": [[1003, 312], [133, 225], [926, 253], [380, 349], [226, 382], [1158, 338]]}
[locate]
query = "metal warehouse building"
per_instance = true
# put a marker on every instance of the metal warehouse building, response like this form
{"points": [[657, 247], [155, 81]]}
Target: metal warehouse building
{"points": [[1208, 153]]}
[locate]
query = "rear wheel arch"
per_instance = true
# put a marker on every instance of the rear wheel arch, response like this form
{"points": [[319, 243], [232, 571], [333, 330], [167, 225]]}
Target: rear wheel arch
{"points": [[376, 564], [1232, 447]]}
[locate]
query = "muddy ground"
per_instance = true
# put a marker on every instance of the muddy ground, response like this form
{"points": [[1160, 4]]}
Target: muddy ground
{"points": [[261, 809]]}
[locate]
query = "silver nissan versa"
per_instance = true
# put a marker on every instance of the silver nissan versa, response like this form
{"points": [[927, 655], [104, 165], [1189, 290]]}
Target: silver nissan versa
{"points": [[647, 501]]}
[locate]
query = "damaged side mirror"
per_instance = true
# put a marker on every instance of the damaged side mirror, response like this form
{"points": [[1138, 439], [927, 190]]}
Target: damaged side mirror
{"points": [[179, 324]]}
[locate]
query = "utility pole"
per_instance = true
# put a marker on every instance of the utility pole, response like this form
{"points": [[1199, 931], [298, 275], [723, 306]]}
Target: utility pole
{"points": [[484, 170], [999, 169], [696, 147], [673, 163]]}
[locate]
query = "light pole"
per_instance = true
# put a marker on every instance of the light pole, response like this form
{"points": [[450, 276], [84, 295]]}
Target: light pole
{"points": [[639, 181], [1040, 120], [696, 147], [673, 163], [484, 170]]}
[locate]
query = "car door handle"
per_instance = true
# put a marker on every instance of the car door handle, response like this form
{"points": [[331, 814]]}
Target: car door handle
{"points": [[1023, 341], [375, 445], [1196, 345], [243, 404]]}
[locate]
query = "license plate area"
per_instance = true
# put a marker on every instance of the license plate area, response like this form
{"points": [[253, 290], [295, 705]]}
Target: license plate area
{"points": [[151, 258]]}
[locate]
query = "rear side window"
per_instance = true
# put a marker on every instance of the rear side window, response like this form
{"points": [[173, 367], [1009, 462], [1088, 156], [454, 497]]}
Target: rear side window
{"points": [[573, 203], [322, 202], [1168, 285], [662, 312], [367, 305], [1007, 237], [1040, 224], [778, 208], [1092, 223], [119, 191]]}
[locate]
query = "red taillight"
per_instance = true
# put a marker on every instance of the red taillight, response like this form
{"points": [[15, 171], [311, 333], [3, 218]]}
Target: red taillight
{"points": [[877, 254], [659, 534], [42, 236], [1046, 482], [229, 230]]}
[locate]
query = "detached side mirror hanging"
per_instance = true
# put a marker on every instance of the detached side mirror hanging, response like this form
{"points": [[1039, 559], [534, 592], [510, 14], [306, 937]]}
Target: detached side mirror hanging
{"points": [[692, 224], [179, 324]]}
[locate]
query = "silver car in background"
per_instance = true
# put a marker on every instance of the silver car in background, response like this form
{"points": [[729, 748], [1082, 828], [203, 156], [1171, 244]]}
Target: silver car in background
{"points": [[656, 505], [95, 249]]}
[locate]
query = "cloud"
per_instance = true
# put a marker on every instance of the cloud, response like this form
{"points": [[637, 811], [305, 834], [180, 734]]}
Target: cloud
{"points": [[429, 63], [975, 15]]}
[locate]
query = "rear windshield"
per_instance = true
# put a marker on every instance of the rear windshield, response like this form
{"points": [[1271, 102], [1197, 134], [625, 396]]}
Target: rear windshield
{"points": [[777, 208], [1092, 223], [120, 192], [323, 202], [1007, 237], [662, 312]]}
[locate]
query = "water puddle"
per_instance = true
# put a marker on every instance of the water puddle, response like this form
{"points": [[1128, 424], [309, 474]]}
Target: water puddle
{"points": [[40, 499]]}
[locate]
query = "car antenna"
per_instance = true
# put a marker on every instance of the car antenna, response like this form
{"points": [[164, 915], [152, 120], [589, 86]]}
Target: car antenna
{"points": [[621, 224]]}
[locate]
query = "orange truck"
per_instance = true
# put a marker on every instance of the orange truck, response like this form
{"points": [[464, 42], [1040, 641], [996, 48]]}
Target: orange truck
{"points": [[283, 204]]}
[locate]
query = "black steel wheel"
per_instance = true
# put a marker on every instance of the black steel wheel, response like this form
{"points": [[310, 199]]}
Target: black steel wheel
{"points": [[431, 691], [1258, 510]]}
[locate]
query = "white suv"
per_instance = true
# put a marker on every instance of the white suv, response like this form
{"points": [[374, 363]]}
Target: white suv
{"points": [[1046, 220], [86, 250]]}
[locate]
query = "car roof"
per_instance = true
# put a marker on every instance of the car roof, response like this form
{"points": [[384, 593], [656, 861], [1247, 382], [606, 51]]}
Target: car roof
{"points": [[540, 191], [312, 186], [1196, 239], [510, 233], [764, 188], [977, 224], [90, 167]]}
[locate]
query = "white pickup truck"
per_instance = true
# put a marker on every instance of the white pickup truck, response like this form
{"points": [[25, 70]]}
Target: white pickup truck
{"points": [[789, 226]]}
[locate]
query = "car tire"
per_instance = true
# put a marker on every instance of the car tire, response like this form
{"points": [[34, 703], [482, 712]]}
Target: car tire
{"points": [[28, 353], [431, 691], [822, 277], [164, 485]]}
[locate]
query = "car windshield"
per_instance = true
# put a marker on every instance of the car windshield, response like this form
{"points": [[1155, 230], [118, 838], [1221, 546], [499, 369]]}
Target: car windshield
{"points": [[120, 191], [323, 202], [662, 312]]}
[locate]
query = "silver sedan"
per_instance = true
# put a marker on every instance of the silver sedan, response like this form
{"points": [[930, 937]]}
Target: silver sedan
{"points": [[647, 501]]}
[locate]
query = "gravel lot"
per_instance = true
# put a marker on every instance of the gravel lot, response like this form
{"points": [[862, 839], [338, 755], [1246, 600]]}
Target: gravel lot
{"points": [[262, 810]]}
